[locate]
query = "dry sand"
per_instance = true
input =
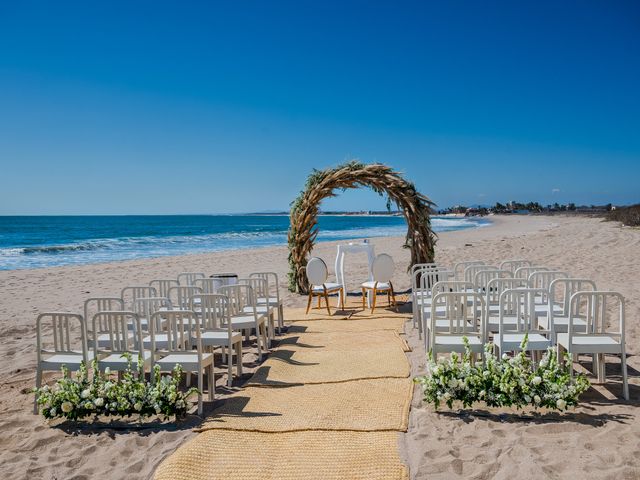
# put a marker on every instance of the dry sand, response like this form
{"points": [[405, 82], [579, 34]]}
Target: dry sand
{"points": [[601, 439]]}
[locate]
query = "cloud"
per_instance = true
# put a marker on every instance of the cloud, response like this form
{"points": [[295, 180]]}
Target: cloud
{"points": [[481, 195], [555, 190]]}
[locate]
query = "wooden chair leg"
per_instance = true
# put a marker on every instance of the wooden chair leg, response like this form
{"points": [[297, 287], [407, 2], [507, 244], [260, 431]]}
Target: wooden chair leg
{"points": [[375, 295], [319, 301], [310, 299], [326, 297], [393, 294], [364, 294], [342, 298]]}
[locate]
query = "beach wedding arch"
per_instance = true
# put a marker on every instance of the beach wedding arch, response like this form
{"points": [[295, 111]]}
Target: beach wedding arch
{"points": [[382, 179]]}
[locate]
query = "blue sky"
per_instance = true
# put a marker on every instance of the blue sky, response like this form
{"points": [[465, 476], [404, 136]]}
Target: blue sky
{"points": [[165, 107]]}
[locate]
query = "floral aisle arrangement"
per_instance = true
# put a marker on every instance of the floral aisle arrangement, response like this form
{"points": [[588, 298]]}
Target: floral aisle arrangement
{"points": [[80, 396], [502, 382]]}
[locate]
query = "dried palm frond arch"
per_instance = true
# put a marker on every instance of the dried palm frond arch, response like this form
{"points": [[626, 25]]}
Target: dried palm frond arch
{"points": [[417, 209]]}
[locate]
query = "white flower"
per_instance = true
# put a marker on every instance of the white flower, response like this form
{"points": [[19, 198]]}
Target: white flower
{"points": [[179, 404], [482, 394], [505, 356], [53, 412], [453, 383], [561, 404], [67, 407], [157, 408], [537, 399], [446, 396], [99, 402], [527, 398], [137, 406], [536, 380], [107, 371], [86, 393]]}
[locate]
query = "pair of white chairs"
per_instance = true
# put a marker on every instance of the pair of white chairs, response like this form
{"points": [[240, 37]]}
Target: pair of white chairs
{"points": [[381, 270]]}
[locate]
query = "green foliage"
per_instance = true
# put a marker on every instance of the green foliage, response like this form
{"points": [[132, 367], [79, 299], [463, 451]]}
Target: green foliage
{"points": [[501, 382], [79, 397]]}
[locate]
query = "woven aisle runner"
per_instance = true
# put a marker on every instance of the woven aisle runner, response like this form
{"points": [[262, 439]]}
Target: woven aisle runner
{"points": [[328, 403]]}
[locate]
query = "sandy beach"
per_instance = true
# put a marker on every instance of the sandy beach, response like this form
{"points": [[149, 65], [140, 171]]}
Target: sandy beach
{"points": [[600, 439]]}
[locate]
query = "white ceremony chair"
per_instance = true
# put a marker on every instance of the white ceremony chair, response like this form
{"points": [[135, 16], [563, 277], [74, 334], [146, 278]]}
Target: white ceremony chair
{"points": [[162, 286], [604, 314], [382, 270], [482, 278], [241, 296], [417, 271], [524, 272], [513, 265], [542, 280], [560, 292], [180, 297], [260, 288], [69, 347], [130, 294], [442, 324], [273, 298], [464, 313], [520, 303], [423, 282], [471, 270], [183, 346], [99, 304], [460, 267], [317, 274], [145, 307], [121, 342], [186, 279], [208, 285], [493, 290], [217, 330]]}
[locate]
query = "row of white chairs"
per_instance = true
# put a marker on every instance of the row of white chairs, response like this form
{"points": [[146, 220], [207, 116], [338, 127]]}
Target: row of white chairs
{"points": [[185, 327], [504, 303]]}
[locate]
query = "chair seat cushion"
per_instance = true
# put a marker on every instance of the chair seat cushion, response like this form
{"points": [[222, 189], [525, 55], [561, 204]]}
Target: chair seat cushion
{"points": [[245, 321], [377, 285], [561, 324], [71, 360], [331, 287], [188, 360]]}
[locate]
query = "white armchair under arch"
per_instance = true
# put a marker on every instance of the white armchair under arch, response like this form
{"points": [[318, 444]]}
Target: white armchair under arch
{"points": [[317, 274], [382, 270]]}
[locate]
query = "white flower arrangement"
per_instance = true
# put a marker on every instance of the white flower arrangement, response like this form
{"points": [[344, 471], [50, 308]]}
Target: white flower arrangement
{"points": [[74, 398], [501, 382]]}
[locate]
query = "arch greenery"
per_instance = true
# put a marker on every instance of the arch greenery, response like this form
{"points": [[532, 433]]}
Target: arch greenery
{"points": [[416, 207]]}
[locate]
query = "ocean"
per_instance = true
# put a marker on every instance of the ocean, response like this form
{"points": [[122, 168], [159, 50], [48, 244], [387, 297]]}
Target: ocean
{"points": [[46, 241]]}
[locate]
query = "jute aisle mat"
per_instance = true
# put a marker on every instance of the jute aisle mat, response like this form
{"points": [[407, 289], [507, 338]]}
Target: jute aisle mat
{"points": [[310, 455], [361, 405], [342, 396]]}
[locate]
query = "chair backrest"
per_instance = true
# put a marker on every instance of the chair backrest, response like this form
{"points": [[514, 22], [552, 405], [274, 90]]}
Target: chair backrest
{"points": [[451, 286], [521, 304], [186, 279], [94, 305], [130, 294], [471, 270], [418, 270], [66, 338], [214, 310], [317, 271], [542, 279], [513, 265], [482, 278], [180, 297], [162, 286], [459, 268], [146, 307], [524, 272], [428, 278], [465, 312], [208, 285], [603, 311], [272, 283], [117, 327], [182, 330], [561, 289], [259, 285], [240, 296], [496, 286], [383, 268]]}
